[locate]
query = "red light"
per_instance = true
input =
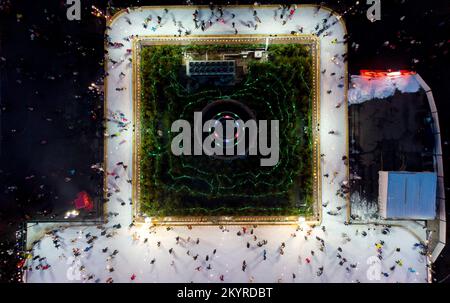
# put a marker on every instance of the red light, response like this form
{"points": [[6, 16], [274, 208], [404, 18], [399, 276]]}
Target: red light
{"points": [[385, 73]]}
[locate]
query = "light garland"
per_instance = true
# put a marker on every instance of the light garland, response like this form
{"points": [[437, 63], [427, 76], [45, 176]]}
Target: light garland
{"points": [[182, 173]]}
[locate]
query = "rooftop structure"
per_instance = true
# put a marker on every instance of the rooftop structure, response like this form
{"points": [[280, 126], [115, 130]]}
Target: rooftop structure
{"points": [[407, 195]]}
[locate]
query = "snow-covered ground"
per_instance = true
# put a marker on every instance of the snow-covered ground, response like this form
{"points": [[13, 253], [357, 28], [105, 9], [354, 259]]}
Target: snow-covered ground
{"points": [[137, 246]]}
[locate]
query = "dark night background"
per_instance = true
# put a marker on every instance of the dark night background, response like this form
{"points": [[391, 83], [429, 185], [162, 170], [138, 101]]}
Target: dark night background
{"points": [[51, 123]]}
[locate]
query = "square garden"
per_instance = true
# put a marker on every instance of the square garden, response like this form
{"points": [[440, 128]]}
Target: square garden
{"points": [[225, 79]]}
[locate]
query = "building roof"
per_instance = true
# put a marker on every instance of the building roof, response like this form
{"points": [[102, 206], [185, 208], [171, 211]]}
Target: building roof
{"points": [[407, 195]]}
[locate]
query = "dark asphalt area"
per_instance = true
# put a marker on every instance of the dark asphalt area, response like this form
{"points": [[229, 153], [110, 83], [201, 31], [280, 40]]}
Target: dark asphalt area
{"points": [[51, 122]]}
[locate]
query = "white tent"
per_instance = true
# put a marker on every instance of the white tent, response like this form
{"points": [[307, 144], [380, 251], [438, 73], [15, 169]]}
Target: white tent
{"points": [[407, 195]]}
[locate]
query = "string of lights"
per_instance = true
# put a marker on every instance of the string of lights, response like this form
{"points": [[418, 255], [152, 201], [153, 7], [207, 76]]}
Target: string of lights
{"points": [[273, 91]]}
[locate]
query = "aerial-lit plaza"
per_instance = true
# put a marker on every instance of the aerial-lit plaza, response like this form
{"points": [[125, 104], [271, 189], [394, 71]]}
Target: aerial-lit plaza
{"points": [[314, 215]]}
